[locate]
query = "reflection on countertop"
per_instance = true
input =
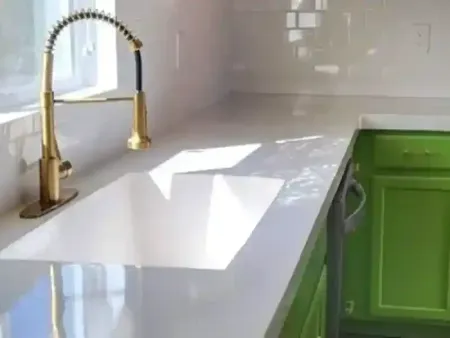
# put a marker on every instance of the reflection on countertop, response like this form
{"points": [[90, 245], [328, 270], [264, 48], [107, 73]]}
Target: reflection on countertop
{"points": [[82, 301]]}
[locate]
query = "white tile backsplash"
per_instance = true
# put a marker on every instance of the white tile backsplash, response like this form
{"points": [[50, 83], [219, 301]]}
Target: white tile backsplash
{"points": [[345, 47], [180, 76]]}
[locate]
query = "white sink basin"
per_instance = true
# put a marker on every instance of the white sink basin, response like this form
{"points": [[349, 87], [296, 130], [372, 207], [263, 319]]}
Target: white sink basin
{"points": [[201, 223]]}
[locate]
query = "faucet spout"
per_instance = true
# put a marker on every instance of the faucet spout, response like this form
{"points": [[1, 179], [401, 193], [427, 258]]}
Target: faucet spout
{"points": [[51, 167]]}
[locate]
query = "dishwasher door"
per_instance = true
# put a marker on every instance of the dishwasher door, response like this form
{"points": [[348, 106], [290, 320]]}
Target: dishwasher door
{"points": [[340, 222]]}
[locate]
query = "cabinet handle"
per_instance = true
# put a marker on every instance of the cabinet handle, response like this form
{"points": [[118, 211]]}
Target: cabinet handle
{"points": [[355, 219], [349, 307], [425, 152]]}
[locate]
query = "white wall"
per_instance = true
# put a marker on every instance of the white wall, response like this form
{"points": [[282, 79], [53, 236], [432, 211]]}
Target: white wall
{"points": [[368, 47], [89, 135]]}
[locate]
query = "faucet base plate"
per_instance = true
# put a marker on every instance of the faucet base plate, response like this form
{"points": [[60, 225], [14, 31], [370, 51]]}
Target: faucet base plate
{"points": [[37, 209]]}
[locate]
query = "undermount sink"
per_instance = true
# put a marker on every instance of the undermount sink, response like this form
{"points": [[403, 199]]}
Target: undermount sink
{"points": [[182, 220]]}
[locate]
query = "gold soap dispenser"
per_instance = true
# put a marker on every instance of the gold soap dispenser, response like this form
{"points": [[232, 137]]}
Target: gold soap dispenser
{"points": [[51, 167]]}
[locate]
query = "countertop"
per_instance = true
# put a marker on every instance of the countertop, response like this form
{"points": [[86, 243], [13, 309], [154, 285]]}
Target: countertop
{"points": [[204, 235]]}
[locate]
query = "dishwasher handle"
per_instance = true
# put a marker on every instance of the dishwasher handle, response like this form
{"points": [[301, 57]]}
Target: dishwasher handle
{"points": [[355, 219]]}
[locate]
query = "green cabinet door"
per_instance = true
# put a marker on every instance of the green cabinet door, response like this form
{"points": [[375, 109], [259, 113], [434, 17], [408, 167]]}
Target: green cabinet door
{"points": [[410, 247], [357, 246], [315, 321], [323, 305], [310, 279]]}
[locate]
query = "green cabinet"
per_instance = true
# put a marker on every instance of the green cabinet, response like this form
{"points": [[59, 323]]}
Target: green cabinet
{"points": [[314, 326], [410, 263], [306, 317], [396, 279], [357, 247]]}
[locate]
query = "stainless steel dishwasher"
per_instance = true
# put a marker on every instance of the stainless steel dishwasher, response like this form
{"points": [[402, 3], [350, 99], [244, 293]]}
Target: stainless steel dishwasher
{"points": [[339, 223]]}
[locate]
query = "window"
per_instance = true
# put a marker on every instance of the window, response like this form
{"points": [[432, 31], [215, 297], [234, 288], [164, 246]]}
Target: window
{"points": [[24, 27]]}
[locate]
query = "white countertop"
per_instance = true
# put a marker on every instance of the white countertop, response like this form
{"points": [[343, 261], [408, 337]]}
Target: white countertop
{"points": [[231, 200]]}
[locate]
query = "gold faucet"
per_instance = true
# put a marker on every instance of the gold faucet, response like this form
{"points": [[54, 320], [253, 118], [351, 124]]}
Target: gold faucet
{"points": [[51, 166]]}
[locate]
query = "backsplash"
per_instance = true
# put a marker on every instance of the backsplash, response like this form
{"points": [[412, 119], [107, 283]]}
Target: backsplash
{"points": [[185, 60], [342, 47]]}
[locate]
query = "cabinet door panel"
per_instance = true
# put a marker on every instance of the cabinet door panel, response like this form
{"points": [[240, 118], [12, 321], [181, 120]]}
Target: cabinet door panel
{"points": [[312, 324], [410, 247], [315, 321], [301, 306]]}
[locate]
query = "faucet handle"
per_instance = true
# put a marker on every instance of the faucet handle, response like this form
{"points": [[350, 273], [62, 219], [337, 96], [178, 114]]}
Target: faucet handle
{"points": [[65, 169]]}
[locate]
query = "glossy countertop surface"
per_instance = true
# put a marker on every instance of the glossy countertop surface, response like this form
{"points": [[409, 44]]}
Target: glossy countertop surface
{"points": [[204, 235]]}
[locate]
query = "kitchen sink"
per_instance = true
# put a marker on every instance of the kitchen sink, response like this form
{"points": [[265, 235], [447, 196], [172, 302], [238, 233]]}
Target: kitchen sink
{"points": [[195, 221]]}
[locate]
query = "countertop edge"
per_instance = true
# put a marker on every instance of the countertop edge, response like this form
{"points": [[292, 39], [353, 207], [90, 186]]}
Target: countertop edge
{"points": [[276, 325]]}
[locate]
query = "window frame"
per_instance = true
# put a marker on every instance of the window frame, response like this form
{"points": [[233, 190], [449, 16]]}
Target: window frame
{"points": [[81, 54]]}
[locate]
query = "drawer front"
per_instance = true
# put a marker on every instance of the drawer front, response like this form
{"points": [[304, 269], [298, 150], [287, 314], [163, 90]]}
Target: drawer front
{"points": [[412, 152]]}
